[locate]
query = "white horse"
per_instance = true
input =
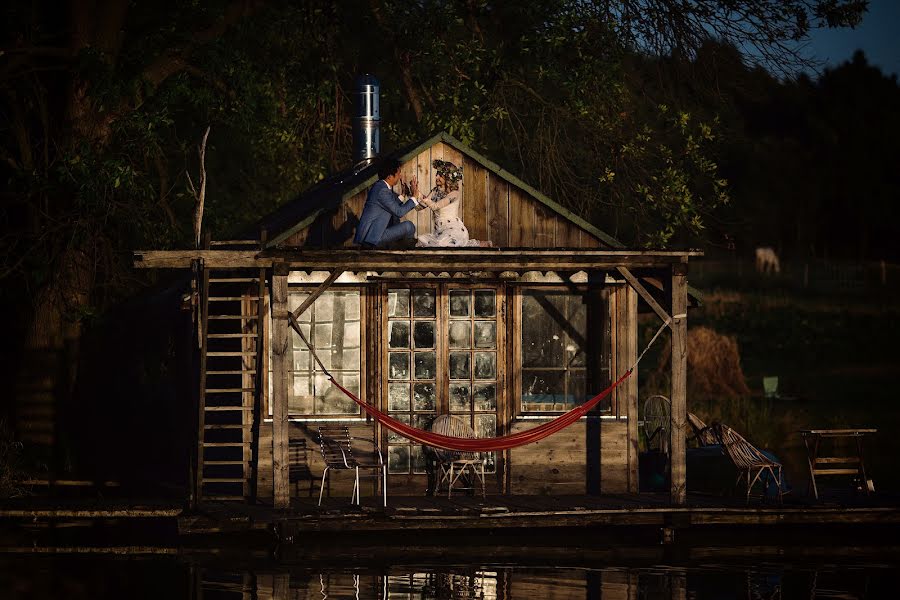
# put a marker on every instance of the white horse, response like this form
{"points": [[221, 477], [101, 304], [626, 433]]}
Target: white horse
{"points": [[767, 260]]}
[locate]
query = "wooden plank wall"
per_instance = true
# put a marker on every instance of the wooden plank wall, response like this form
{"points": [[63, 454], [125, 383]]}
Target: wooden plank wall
{"points": [[557, 464], [492, 209]]}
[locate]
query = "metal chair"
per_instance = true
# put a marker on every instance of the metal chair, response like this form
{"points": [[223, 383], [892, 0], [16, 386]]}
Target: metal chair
{"points": [[747, 458], [336, 444], [457, 467]]}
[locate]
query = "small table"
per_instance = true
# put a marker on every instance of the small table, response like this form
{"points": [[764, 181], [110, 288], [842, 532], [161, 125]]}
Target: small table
{"points": [[835, 465]]}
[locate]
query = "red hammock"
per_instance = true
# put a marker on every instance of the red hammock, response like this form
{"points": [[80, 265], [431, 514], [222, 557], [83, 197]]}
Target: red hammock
{"points": [[446, 442], [505, 442]]}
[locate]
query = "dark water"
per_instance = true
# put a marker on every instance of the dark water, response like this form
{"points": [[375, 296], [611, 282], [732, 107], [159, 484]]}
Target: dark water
{"points": [[177, 577]]}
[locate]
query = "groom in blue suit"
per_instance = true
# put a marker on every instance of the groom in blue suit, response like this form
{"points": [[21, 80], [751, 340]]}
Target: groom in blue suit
{"points": [[380, 224]]}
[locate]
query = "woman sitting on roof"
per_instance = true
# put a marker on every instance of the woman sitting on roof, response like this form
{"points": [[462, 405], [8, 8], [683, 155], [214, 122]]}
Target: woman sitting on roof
{"points": [[444, 201]]}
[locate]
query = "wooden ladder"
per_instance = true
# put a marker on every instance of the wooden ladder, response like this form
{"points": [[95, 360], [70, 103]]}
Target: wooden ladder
{"points": [[232, 375]]}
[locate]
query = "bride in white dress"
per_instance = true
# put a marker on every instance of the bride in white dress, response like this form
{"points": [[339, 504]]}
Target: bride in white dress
{"points": [[443, 200]]}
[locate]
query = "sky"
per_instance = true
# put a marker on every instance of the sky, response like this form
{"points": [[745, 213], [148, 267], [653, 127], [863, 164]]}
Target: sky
{"points": [[878, 36]]}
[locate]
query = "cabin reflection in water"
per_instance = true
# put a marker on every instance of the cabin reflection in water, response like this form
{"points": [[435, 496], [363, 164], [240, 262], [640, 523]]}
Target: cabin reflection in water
{"points": [[766, 582]]}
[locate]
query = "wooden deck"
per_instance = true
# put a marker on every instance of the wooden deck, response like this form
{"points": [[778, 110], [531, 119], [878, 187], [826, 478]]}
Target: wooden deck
{"points": [[405, 514]]}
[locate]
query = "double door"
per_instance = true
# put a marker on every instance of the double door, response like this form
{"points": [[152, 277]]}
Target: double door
{"points": [[444, 355]]}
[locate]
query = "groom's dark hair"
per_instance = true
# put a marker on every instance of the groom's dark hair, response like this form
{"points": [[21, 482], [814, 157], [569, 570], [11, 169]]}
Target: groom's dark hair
{"points": [[388, 167]]}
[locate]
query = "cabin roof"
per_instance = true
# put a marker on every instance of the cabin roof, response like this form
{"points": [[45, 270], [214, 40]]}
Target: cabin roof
{"points": [[332, 191]]}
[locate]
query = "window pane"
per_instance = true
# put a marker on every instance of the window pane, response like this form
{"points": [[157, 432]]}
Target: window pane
{"points": [[542, 330], [301, 360], [554, 336], [459, 365], [297, 341], [398, 396], [423, 303], [348, 359], [485, 303], [350, 305], [332, 325], [324, 307], [396, 437], [398, 365], [425, 365], [423, 422], [300, 400], [485, 396], [398, 459], [351, 335], [399, 334], [418, 459], [459, 303], [544, 388], [485, 334], [486, 426], [331, 401], [485, 365], [459, 397], [322, 335], [459, 334], [423, 394], [423, 334], [398, 303]]}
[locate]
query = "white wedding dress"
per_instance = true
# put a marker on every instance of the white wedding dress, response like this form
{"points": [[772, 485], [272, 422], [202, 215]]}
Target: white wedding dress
{"points": [[447, 227]]}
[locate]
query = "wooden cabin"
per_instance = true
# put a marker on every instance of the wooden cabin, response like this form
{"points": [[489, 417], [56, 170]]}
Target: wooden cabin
{"points": [[504, 337]]}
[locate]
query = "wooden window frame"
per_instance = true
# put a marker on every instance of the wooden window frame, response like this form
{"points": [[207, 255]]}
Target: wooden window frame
{"points": [[364, 319], [442, 289], [517, 369]]}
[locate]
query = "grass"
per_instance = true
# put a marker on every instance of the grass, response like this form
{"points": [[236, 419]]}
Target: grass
{"points": [[838, 364]]}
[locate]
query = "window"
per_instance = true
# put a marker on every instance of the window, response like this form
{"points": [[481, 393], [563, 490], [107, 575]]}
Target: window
{"points": [[412, 371], [473, 362], [554, 346], [442, 347], [332, 326]]}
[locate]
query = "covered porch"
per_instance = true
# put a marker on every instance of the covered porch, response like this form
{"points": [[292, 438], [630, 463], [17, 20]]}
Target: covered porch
{"points": [[623, 274]]}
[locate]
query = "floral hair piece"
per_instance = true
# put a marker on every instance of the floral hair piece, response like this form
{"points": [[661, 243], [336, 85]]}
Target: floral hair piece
{"points": [[450, 172]]}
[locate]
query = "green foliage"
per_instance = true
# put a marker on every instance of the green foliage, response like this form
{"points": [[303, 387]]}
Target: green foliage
{"points": [[562, 92]]}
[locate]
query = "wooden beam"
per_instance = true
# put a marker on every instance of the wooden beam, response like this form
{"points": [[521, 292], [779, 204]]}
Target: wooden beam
{"points": [[422, 259], [640, 289], [318, 292], [281, 361], [678, 417]]}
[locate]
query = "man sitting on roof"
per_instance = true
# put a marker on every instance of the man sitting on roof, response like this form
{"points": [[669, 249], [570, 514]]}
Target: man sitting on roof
{"points": [[380, 224]]}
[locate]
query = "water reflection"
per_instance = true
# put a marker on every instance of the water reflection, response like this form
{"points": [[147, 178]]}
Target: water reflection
{"points": [[97, 577], [508, 583]]}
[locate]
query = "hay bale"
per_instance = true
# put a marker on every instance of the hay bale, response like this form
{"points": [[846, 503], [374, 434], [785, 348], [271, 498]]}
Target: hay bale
{"points": [[713, 366]]}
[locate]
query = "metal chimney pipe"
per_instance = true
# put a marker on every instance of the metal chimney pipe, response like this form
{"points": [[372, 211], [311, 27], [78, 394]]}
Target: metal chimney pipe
{"points": [[367, 122]]}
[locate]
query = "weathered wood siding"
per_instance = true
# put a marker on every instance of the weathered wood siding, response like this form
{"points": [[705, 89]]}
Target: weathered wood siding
{"points": [[558, 464], [492, 209]]}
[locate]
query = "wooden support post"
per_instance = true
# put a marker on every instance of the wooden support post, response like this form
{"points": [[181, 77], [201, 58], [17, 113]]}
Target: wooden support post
{"points": [[631, 384], [281, 360], [678, 418]]}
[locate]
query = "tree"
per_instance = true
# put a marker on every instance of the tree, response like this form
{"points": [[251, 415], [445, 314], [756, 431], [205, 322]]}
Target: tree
{"points": [[103, 104]]}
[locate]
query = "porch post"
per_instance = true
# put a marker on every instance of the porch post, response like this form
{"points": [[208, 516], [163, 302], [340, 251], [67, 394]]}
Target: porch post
{"points": [[280, 380], [678, 418]]}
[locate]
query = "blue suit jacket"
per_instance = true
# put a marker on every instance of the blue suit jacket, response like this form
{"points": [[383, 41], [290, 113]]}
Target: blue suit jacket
{"points": [[383, 208]]}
